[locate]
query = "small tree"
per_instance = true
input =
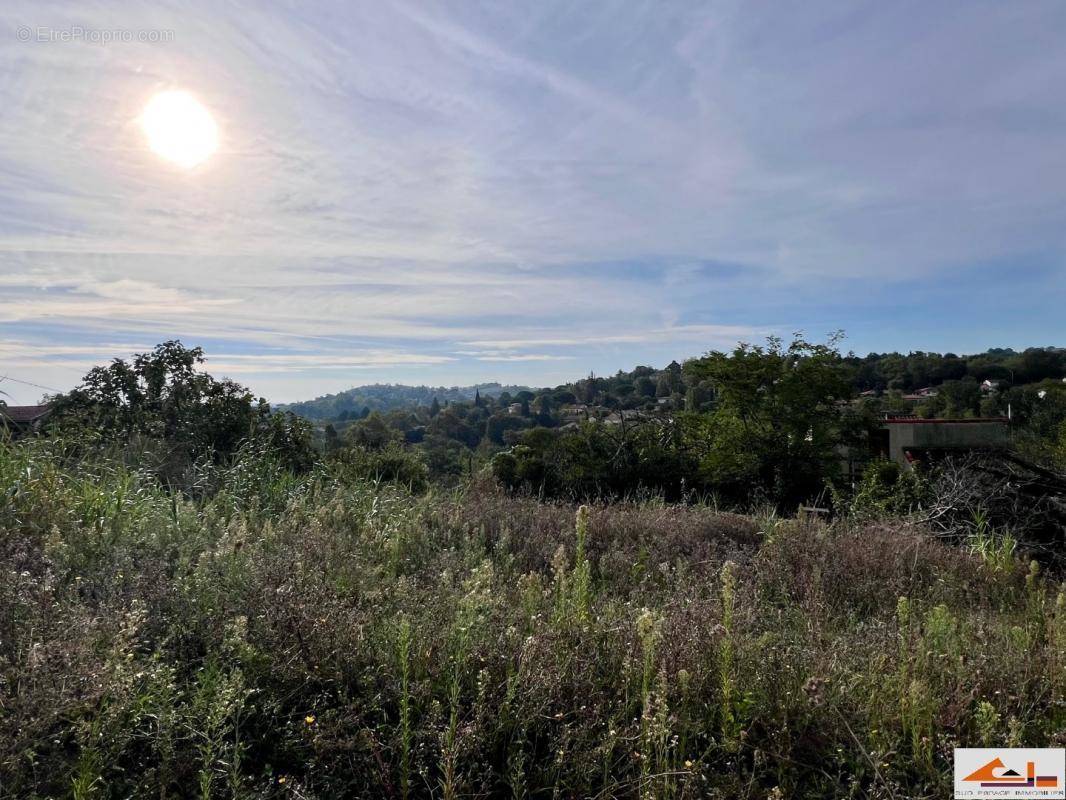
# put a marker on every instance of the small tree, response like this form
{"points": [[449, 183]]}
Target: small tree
{"points": [[165, 396], [776, 422]]}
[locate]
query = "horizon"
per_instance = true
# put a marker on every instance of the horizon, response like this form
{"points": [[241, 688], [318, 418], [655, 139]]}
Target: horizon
{"points": [[12, 385], [459, 194]]}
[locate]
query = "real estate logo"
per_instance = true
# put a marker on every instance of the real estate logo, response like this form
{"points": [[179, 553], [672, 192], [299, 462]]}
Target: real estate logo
{"points": [[1010, 772]]}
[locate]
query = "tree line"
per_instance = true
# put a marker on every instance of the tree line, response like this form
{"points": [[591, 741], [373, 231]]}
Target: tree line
{"points": [[772, 422]]}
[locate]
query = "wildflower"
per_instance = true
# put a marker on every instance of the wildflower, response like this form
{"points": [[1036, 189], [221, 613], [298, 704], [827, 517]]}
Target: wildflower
{"points": [[688, 764], [309, 719], [282, 779]]}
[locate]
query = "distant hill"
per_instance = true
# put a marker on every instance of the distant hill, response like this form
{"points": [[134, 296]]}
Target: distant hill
{"points": [[874, 372], [388, 397]]}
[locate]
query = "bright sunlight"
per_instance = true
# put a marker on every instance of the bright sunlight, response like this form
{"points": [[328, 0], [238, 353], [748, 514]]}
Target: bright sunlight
{"points": [[179, 128]]}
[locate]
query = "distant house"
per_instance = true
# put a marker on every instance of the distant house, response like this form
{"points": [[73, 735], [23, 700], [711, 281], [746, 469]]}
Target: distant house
{"points": [[630, 415], [921, 394], [23, 419], [514, 409], [868, 393], [988, 387]]}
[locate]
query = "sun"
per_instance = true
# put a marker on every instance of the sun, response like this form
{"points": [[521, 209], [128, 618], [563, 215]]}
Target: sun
{"points": [[179, 128]]}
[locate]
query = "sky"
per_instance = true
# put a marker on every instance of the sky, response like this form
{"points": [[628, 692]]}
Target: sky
{"points": [[443, 193]]}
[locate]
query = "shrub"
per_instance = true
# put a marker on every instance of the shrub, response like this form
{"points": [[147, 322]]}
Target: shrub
{"points": [[392, 463], [887, 490], [326, 635]]}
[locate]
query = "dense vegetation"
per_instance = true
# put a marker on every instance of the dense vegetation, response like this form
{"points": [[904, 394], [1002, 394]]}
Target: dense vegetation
{"points": [[357, 403], [772, 423], [644, 386], [195, 602], [311, 636]]}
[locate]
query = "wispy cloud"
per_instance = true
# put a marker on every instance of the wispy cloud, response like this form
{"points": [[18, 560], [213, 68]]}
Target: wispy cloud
{"points": [[470, 191]]}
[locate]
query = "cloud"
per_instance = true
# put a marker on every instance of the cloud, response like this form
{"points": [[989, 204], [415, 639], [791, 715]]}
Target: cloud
{"points": [[554, 185], [522, 357], [253, 364], [712, 334]]}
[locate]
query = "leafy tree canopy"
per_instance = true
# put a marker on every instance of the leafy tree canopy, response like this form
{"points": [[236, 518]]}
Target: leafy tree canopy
{"points": [[165, 395]]}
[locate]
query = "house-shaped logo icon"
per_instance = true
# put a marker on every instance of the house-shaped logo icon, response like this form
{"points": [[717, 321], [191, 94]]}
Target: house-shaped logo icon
{"points": [[996, 774]]}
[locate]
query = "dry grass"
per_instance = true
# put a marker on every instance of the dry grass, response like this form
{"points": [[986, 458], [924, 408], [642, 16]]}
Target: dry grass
{"points": [[321, 640]]}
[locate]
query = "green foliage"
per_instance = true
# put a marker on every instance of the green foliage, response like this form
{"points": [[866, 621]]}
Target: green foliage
{"points": [[763, 424], [283, 627], [888, 490], [391, 397], [391, 463], [915, 370], [498, 425], [778, 417], [996, 548], [162, 404], [319, 635], [731, 725], [597, 460], [372, 433]]}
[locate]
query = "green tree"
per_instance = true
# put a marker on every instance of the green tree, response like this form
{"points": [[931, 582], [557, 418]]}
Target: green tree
{"points": [[165, 396], [645, 386], [332, 439], [498, 424], [777, 420], [451, 424], [372, 433], [692, 399]]}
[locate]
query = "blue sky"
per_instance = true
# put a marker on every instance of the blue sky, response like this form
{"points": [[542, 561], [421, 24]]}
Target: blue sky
{"points": [[453, 192]]}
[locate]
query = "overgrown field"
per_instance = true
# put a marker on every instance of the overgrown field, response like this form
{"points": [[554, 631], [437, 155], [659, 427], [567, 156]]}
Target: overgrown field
{"points": [[311, 638]]}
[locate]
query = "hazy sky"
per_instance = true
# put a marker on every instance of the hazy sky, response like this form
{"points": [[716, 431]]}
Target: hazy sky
{"points": [[451, 192]]}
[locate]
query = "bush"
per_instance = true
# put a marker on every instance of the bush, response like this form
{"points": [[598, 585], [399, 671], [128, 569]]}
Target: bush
{"points": [[392, 463], [887, 490], [322, 635]]}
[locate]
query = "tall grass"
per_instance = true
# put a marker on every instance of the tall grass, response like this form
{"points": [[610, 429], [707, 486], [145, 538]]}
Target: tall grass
{"points": [[281, 636]]}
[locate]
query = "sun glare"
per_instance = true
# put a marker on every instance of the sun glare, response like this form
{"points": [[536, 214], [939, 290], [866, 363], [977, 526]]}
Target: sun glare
{"points": [[179, 128]]}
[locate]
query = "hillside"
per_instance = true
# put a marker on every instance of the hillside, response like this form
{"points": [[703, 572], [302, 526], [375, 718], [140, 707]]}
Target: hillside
{"points": [[384, 397], [194, 597], [888, 374]]}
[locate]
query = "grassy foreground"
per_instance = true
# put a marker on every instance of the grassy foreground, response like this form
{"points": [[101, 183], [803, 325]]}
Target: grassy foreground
{"points": [[305, 638]]}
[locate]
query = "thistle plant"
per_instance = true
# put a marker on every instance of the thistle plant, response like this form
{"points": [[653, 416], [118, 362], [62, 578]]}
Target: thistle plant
{"points": [[727, 658], [581, 580], [403, 653], [986, 720], [648, 625]]}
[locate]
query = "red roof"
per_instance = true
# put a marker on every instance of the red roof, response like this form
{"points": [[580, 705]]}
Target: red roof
{"points": [[24, 413]]}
